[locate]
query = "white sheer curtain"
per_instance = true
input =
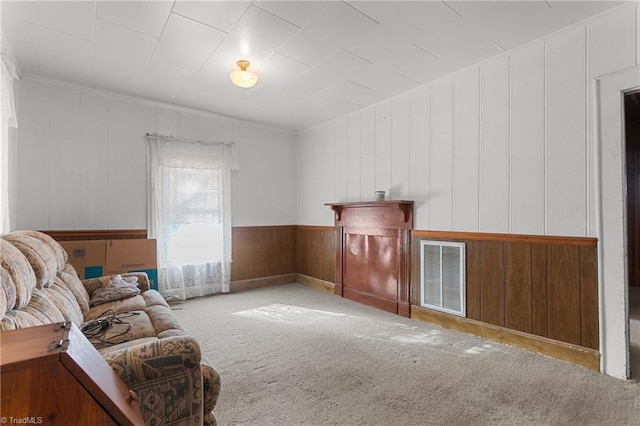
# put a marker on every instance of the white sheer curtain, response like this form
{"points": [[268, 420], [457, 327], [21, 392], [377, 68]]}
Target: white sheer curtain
{"points": [[7, 119], [190, 214]]}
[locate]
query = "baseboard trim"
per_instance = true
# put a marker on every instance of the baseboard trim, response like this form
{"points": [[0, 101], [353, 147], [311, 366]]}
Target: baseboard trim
{"points": [[243, 285], [316, 283], [585, 357]]}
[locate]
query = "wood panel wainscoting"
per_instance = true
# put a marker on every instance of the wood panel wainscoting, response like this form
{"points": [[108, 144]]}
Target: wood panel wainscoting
{"points": [[316, 256], [263, 256], [537, 292]]}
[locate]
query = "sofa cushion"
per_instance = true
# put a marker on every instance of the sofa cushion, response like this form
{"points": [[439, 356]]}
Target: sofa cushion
{"points": [[70, 278], [19, 319], [135, 303], [5, 282], [91, 284], [42, 307], [61, 254], [123, 327], [41, 257], [154, 298], [39, 311], [162, 319], [119, 288], [22, 279], [63, 299]]}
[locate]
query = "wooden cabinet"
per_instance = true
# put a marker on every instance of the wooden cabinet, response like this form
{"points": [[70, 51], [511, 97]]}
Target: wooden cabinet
{"points": [[372, 253], [52, 375]]}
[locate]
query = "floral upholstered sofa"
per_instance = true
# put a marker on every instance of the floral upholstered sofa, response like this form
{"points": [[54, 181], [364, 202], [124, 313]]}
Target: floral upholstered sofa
{"points": [[142, 341]]}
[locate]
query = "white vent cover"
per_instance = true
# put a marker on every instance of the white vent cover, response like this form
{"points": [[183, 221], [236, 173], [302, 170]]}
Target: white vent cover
{"points": [[442, 276]]}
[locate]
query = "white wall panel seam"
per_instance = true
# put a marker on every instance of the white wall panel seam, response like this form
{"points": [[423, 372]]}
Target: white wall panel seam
{"points": [[299, 142], [409, 183], [410, 124], [360, 162], [108, 186], [359, 121], [80, 97], [585, 149], [479, 148], [132, 194], [509, 141], [334, 139], [345, 165], [545, 147], [375, 147], [593, 131], [49, 155], [478, 172], [376, 159], [428, 159], [591, 134], [453, 152], [347, 144], [361, 155], [391, 144], [362, 152], [587, 121], [430, 132]]}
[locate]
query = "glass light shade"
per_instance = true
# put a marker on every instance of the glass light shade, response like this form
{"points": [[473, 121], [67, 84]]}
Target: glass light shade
{"points": [[242, 77]]}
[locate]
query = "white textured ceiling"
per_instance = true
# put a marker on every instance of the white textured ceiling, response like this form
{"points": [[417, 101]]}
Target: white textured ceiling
{"points": [[316, 59]]}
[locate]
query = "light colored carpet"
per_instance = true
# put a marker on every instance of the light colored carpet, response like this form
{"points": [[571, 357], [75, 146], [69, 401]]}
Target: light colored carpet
{"points": [[292, 355]]}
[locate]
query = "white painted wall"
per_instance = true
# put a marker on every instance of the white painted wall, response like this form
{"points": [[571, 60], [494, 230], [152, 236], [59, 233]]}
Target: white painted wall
{"points": [[81, 159], [505, 146]]}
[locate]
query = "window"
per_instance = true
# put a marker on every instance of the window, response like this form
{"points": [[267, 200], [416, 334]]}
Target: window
{"points": [[190, 214], [193, 228], [442, 276]]}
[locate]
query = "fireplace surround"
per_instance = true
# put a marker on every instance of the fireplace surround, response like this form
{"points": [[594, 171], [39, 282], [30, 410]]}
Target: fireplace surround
{"points": [[373, 253]]}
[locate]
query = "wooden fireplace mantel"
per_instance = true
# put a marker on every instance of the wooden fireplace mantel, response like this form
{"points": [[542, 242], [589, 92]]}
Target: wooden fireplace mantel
{"points": [[406, 207], [372, 252]]}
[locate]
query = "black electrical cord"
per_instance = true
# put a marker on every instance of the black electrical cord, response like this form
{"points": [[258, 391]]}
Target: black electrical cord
{"points": [[96, 329]]}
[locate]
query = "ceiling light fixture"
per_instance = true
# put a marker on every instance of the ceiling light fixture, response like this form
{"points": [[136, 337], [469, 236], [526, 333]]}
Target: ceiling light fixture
{"points": [[242, 77]]}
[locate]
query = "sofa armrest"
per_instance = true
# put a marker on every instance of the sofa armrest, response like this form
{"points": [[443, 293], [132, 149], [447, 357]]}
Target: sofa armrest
{"points": [[143, 280], [211, 391], [166, 374], [91, 284]]}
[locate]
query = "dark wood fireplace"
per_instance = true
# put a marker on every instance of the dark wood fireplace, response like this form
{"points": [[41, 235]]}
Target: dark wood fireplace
{"points": [[372, 253]]}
